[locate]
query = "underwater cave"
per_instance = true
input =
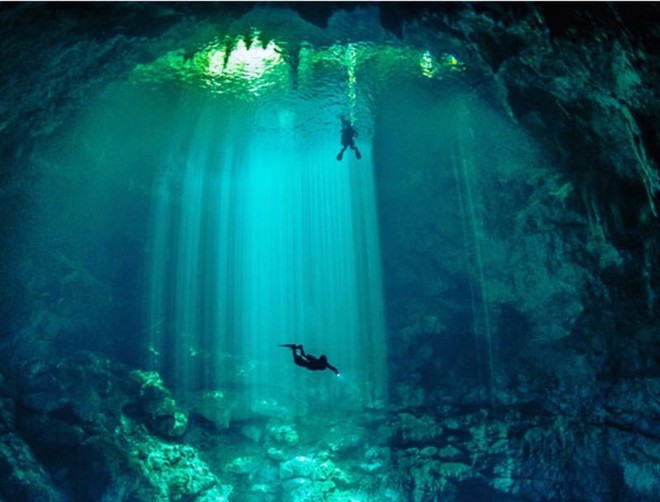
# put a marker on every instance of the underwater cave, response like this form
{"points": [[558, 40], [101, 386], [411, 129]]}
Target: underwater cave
{"points": [[455, 203]]}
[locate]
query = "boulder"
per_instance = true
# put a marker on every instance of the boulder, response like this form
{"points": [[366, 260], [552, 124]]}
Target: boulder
{"points": [[23, 478], [157, 407]]}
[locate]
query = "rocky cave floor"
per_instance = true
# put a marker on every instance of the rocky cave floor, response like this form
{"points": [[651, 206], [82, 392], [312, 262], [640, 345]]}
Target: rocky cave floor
{"points": [[88, 428]]}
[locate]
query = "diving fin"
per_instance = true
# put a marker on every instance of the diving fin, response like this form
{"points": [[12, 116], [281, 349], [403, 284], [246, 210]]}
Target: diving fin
{"points": [[290, 345]]}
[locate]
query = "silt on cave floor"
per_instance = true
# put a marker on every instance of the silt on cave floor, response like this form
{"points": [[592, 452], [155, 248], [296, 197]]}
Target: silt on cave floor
{"points": [[484, 275]]}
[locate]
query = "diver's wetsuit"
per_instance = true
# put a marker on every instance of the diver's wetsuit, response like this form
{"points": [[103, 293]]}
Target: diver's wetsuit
{"points": [[348, 134], [307, 361]]}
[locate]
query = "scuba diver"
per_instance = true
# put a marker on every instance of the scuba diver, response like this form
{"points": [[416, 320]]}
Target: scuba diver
{"points": [[307, 361], [348, 135]]}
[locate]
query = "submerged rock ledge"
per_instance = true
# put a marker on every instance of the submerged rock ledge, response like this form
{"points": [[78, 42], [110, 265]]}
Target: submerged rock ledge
{"points": [[84, 429]]}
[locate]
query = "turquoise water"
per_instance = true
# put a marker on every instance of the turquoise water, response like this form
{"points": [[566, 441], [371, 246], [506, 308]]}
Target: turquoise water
{"points": [[261, 237]]}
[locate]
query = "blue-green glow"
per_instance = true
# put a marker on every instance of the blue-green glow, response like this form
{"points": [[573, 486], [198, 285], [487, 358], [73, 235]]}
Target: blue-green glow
{"points": [[263, 239]]}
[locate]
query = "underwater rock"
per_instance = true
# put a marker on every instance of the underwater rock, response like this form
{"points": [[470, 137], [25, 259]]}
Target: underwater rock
{"points": [[52, 433], [80, 383], [298, 467], [633, 445], [449, 452], [169, 471], [175, 472], [99, 412], [457, 472], [412, 429], [41, 390], [344, 439], [316, 468], [561, 459], [376, 458], [409, 394], [516, 451], [432, 477], [215, 494], [642, 478], [267, 474], [303, 489], [216, 407], [632, 404], [326, 469], [262, 489], [44, 402], [283, 434], [22, 477], [252, 432], [424, 325], [277, 453], [270, 408], [159, 409], [7, 415], [242, 465]]}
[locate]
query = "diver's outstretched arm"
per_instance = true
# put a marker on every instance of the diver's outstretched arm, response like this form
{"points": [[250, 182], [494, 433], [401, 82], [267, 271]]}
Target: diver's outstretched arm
{"points": [[331, 367]]}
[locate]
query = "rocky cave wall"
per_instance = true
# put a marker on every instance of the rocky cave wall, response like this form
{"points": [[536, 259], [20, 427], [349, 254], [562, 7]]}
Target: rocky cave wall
{"points": [[571, 270]]}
